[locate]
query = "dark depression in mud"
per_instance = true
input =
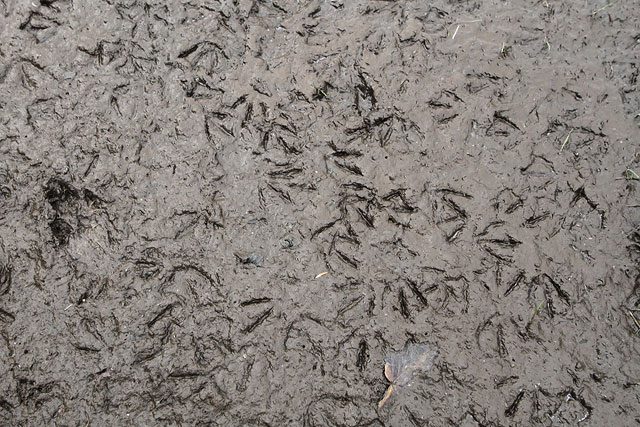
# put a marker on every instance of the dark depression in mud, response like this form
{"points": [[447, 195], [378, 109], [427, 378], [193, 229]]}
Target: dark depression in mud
{"points": [[237, 212]]}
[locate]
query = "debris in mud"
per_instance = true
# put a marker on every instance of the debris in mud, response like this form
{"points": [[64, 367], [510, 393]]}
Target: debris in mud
{"points": [[401, 367], [251, 259]]}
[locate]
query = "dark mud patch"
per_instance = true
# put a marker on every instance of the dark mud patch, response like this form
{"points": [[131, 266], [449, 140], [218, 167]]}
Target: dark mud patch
{"points": [[175, 178]]}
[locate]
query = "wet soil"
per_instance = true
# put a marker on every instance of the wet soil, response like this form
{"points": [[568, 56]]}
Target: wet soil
{"points": [[176, 177]]}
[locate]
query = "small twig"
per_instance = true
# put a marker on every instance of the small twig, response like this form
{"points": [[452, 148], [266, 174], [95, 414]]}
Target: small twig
{"points": [[565, 140]]}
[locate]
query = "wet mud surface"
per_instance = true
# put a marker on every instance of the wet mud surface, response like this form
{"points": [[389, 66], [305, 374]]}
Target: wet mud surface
{"points": [[176, 177]]}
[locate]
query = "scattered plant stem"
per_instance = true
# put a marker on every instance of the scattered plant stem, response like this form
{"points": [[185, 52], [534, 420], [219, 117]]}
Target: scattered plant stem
{"points": [[459, 24], [602, 8], [321, 91], [631, 174], [534, 313], [455, 32], [635, 321], [565, 140], [546, 42]]}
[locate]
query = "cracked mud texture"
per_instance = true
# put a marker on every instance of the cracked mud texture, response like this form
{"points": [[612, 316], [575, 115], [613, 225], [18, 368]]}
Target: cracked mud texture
{"points": [[175, 175]]}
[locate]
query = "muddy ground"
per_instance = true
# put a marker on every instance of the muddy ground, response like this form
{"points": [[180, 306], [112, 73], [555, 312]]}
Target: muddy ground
{"points": [[175, 178]]}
